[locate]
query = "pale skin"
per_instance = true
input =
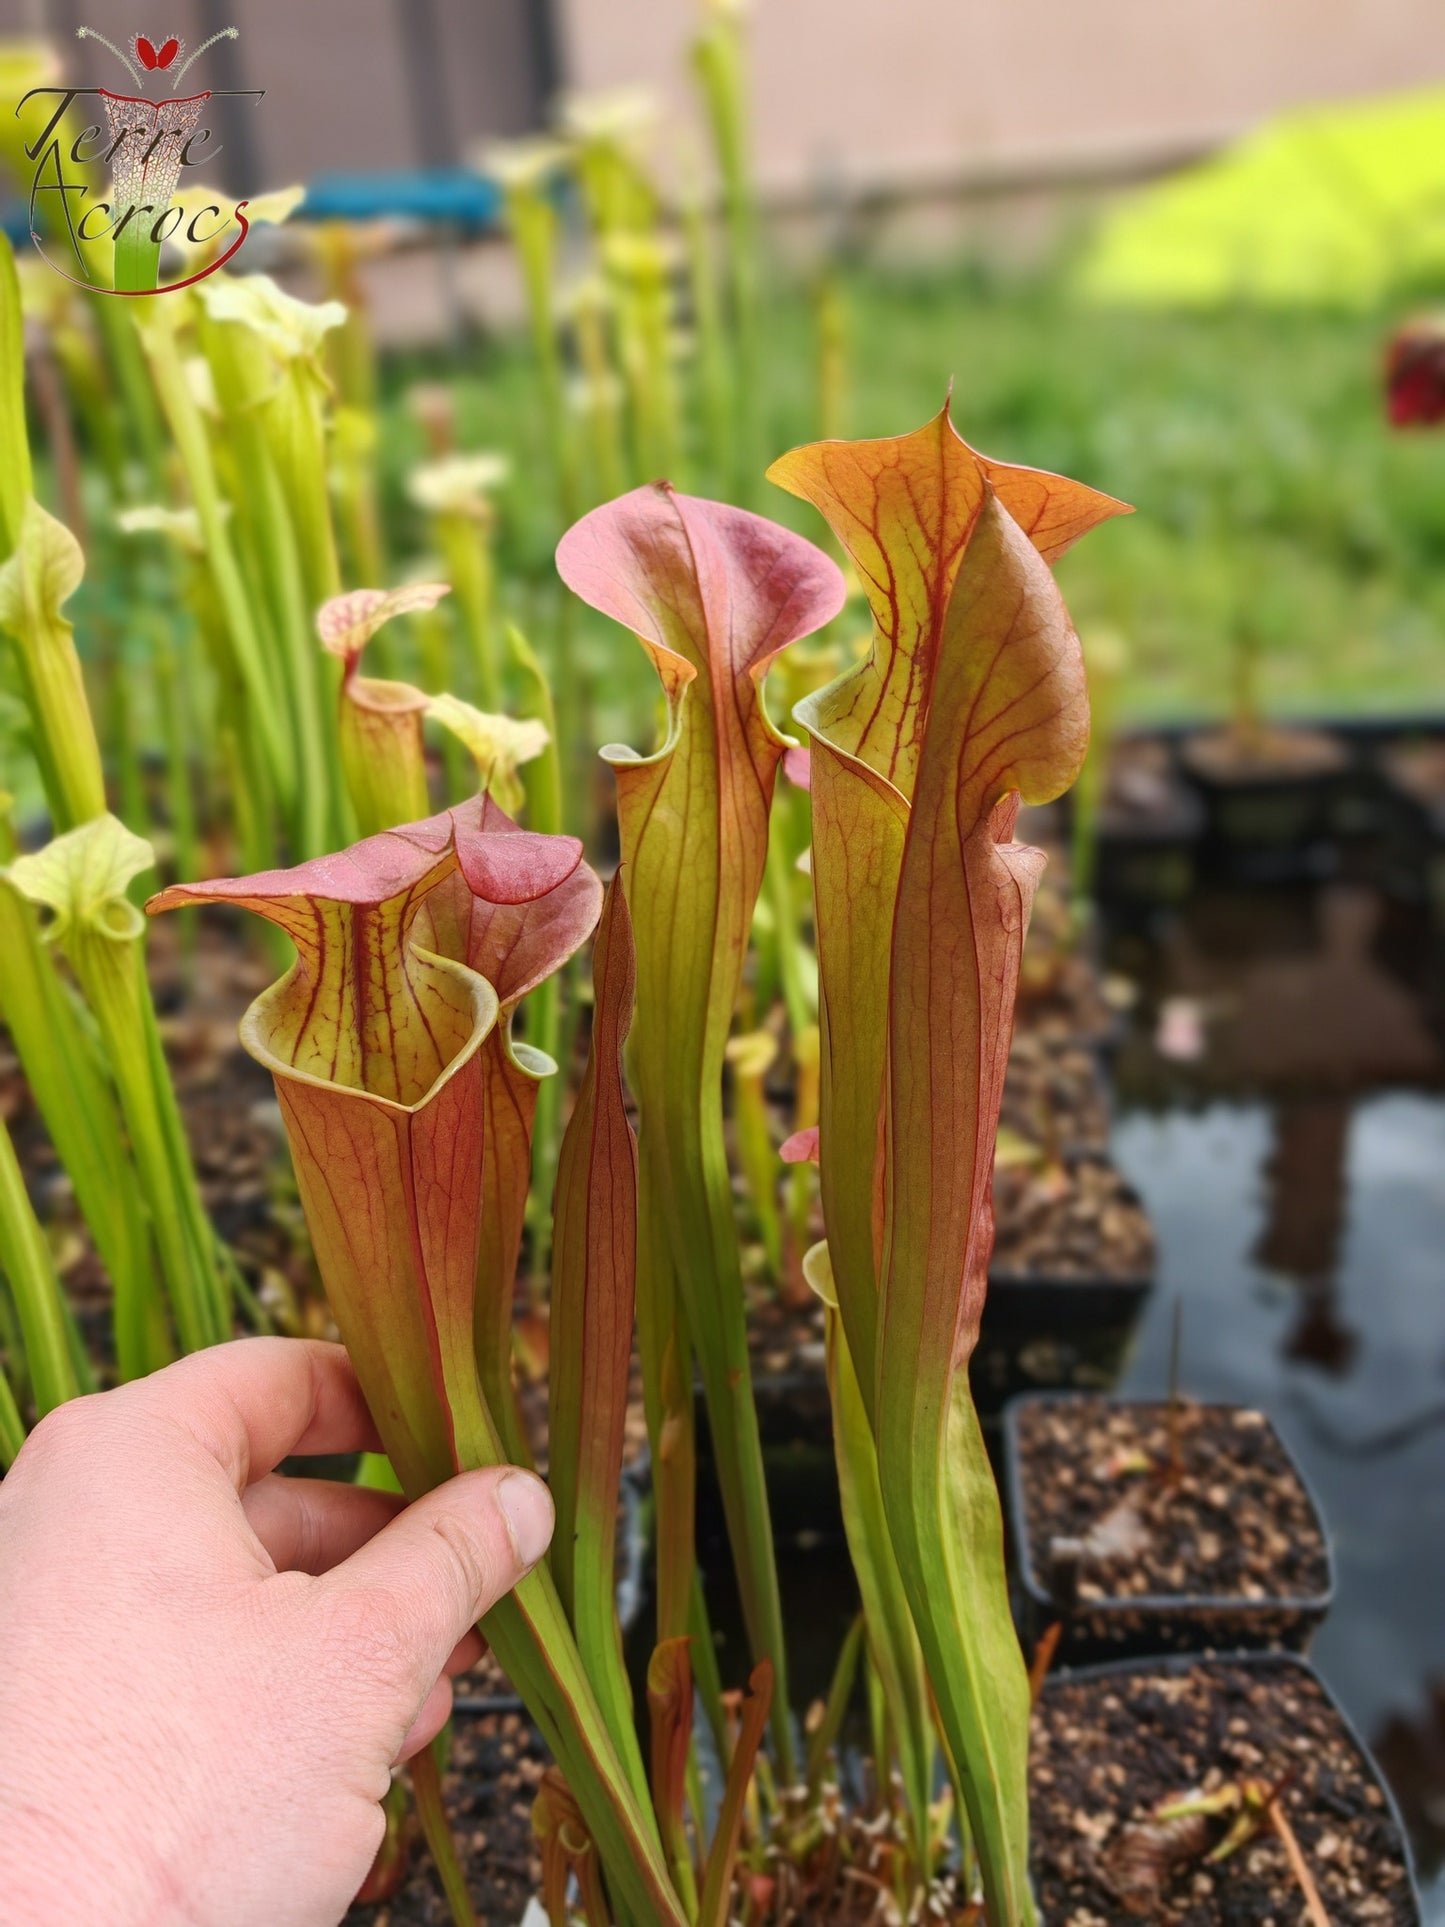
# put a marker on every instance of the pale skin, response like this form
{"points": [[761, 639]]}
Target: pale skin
{"points": [[208, 1670]]}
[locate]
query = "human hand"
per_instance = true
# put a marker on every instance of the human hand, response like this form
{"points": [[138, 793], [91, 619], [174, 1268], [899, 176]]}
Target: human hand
{"points": [[206, 1669]]}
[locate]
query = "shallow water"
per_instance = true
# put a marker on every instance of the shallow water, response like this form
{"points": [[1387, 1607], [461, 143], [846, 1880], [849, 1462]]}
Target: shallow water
{"points": [[1295, 1171]]}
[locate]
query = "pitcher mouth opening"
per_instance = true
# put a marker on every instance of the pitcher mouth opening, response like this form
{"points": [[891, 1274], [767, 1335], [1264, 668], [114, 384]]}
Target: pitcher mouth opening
{"points": [[262, 1019]]}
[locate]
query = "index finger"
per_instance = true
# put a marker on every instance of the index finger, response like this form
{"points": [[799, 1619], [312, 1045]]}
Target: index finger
{"points": [[252, 1402]]}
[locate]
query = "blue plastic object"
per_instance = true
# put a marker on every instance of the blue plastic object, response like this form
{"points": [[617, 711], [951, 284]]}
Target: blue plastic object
{"points": [[450, 196]]}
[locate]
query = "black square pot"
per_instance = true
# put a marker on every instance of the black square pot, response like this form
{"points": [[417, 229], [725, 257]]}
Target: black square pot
{"points": [[1137, 1626], [1116, 1678]]}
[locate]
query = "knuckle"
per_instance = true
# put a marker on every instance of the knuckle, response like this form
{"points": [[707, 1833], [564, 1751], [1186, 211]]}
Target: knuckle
{"points": [[469, 1569], [60, 1433]]}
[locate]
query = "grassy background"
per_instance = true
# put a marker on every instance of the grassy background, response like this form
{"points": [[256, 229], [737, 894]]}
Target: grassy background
{"points": [[1272, 498]]}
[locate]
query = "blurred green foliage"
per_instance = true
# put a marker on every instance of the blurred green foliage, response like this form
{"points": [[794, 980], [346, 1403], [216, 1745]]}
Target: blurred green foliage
{"points": [[1270, 490], [1336, 205]]}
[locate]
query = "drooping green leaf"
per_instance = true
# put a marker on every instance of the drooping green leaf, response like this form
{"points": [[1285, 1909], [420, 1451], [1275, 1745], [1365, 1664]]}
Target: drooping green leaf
{"points": [[35, 584]]}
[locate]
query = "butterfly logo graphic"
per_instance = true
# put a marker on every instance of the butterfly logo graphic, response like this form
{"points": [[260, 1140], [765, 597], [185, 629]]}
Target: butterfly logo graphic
{"points": [[151, 57], [148, 57]]}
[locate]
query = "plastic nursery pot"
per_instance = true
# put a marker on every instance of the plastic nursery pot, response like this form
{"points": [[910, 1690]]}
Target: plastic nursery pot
{"points": [[1412, 778], [1274, 814], [1241, 1479], [1065, 1317], [1150, 827], [1112, 1742]]}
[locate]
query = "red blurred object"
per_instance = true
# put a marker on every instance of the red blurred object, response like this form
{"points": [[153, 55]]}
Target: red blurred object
{"points": [[1415, 374]]}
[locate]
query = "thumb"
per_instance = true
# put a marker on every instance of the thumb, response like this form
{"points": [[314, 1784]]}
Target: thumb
{"points": [[410, 1593]]}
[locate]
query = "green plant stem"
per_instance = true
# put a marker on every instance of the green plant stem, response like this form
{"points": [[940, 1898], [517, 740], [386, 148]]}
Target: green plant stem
{"points": [[840, 1691], [130, 774], [116, 326], [294, 424], [718, 58], [712, 354], [604, 419], [35, 1288], [705, 1674], [434, 635], [666, 1356], [941, 1504], [466, 550], [638, 276], [359, 510], [800, 994], [708, 1268], [112, 976], [265, 714], [759, 1161], [63, 1071], [529, 1633], [431, 1810], [16, 484], [542, 778], [179, 738], [830, 317], [12, 1426], [137, 256], [533, 222], [892, 1641], [266, 524]]}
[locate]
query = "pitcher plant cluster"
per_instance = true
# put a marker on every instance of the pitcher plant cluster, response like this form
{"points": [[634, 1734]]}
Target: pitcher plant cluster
{"points": [[409, 1103], [395, 769]]}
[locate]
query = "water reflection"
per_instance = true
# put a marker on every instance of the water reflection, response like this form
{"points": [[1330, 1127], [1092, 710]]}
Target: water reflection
{"points": [[1304, 1179], [1296, 1175]]}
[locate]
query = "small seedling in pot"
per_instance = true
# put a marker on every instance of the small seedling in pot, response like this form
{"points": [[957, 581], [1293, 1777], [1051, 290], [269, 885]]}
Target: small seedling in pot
{"points": [[1146, 1855]]}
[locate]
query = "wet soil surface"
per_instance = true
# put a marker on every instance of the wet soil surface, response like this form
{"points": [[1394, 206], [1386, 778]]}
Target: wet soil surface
{"points": [[1054, 1095], [1227, 1517], [1108, 1752], [1068, 1220]]}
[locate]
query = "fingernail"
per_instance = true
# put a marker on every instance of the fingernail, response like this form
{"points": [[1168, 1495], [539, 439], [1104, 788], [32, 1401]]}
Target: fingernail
{"points": [[527, 1507]]}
